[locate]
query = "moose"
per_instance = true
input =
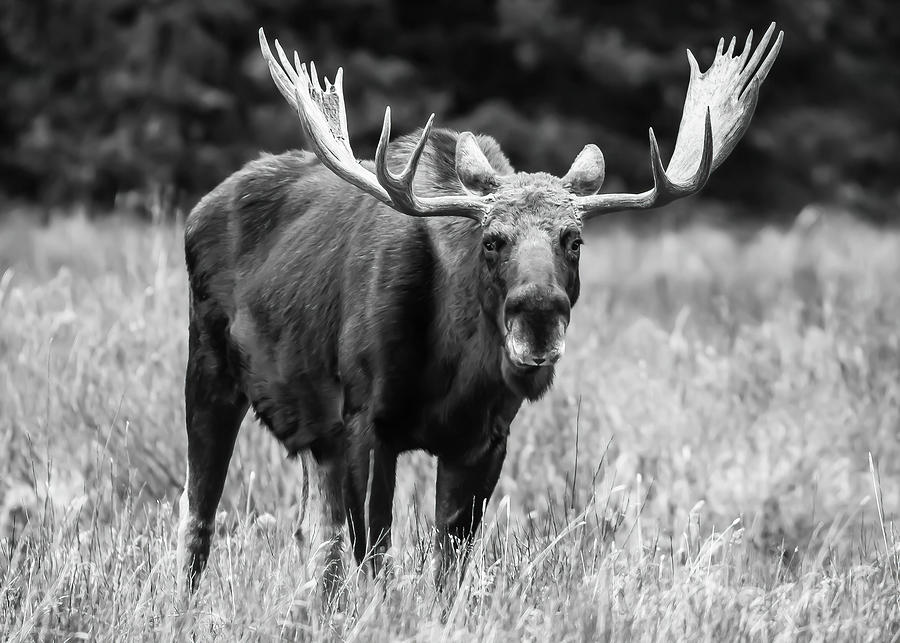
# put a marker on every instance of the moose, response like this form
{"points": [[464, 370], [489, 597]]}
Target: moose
{"points": [[367, 308]]}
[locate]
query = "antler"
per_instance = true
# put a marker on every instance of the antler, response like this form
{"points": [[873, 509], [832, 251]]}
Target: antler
{"points": [[324, 121], [717, 111]]}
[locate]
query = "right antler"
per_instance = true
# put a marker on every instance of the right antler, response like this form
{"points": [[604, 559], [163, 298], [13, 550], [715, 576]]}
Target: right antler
{"points": [[324, 121], [717, 110]]}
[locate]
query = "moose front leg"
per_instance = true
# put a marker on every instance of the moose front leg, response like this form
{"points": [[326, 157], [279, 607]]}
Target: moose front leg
{"points": [[369, 495], [462, 490], [328, 479]]}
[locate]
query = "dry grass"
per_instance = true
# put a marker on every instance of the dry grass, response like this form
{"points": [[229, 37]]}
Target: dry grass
{"points": [[723, 396]]}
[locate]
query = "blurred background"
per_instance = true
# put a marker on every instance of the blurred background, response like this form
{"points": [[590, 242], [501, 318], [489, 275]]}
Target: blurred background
{"points": [[108, 101]]}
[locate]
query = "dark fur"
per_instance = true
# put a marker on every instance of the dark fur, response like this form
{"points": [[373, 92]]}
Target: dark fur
{"points": [[352, 330]]}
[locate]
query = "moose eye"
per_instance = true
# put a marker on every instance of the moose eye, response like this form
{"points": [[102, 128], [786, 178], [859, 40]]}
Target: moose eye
{"points": [[491, 245]]}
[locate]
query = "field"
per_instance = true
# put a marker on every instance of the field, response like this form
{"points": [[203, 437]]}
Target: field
{"points": [[701, 469]]}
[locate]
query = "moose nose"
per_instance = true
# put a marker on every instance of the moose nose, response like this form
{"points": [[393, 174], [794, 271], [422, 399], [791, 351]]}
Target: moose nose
{"points": [[534, 299]]}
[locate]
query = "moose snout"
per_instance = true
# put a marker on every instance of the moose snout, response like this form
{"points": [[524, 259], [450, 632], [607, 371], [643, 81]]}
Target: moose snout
{"points": [[536, 300], [536, 319]]}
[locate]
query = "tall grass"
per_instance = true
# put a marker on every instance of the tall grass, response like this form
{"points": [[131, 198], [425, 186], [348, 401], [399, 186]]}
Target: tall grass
{"points": [[724, 392]]}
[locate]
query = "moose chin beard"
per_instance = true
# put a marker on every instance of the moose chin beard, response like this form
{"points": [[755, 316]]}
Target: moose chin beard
{"points": [[531, 382]]}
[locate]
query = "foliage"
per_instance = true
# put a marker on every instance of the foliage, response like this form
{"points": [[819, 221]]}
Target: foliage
{"points": [[108, 97], [710, 377]]}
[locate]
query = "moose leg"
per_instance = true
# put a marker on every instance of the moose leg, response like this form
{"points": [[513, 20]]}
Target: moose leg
{"points": [[329, 482], [214, 410], [462, 490], [369, 489], [306, 465]]}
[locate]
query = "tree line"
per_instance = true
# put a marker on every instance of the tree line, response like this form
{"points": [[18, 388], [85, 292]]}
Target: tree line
{"points": [[103, 99]]}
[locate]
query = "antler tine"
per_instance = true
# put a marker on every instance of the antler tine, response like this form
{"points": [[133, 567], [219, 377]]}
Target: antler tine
{"points": [[412, 164], [742, 59], [660, 180], [757, 55], [315, 84], [381, 151], [717, 110], [293, 73], [285, 85]]}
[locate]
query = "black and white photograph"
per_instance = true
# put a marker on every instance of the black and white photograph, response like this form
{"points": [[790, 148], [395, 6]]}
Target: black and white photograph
{"points": [[499, 320]]}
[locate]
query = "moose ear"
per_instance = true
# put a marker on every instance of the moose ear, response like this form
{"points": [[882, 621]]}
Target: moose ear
{"points": [[586, 175], [472, 167]]}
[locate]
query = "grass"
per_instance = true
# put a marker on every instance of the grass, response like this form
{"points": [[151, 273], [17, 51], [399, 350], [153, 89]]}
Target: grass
{"points": [[700, 470]]}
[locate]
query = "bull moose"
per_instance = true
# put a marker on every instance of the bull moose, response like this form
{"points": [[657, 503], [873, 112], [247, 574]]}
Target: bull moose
{"points": [[367, 308]]}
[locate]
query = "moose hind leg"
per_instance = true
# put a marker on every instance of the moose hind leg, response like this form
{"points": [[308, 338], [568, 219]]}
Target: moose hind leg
{"points": [[214, 411]]}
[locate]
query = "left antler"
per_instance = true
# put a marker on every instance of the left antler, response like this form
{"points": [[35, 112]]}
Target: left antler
{"points": [[717, 110], [324, 121]]}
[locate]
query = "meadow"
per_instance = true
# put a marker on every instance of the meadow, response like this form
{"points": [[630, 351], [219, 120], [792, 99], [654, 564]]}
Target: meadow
{"points": [[718, 459]]}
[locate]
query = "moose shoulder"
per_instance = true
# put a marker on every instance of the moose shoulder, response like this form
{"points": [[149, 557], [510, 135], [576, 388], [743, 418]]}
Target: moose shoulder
{"points": [[363, 309]]}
